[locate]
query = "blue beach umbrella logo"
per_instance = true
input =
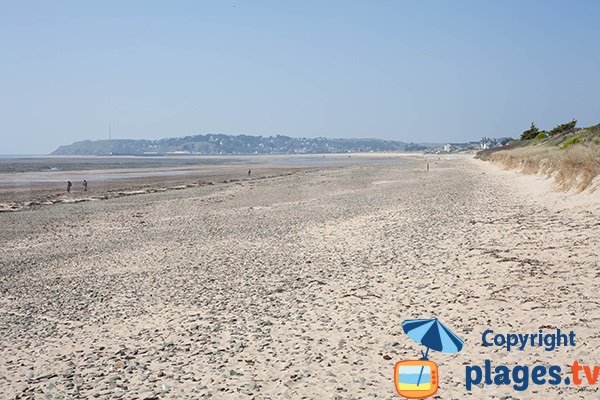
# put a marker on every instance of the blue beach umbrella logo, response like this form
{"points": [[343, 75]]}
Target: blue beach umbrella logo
{"points": [[432, 334], [418, 379]]}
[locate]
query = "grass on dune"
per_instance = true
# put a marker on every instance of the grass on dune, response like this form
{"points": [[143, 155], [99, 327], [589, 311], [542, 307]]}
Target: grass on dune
{"points": [[573, 158]]}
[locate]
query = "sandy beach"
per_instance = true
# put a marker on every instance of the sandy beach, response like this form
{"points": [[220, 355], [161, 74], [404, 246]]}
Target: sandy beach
{"points": [[294, 285]]}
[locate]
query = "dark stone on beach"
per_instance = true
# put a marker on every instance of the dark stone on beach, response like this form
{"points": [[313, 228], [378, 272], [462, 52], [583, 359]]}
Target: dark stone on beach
{"points": [[47, 376]]}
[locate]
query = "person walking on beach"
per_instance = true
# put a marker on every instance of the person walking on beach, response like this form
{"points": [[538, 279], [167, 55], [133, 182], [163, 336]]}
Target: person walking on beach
{"points": [[69, 184], [249, 172], [84, 185]]}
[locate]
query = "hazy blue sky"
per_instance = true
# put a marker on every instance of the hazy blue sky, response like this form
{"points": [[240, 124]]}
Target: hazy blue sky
{"points": [[407, 70]]}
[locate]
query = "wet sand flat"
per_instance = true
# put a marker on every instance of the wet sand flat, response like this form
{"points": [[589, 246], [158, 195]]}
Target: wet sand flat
{"points": [[295, 286], [28, 182]]}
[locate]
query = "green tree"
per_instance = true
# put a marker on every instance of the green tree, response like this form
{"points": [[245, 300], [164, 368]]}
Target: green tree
{"points": [[563, 128], [530, 133]]}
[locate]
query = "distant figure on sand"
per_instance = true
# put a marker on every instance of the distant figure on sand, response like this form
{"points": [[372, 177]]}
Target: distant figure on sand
{"points": [[84, 185], [69, 184], [249, 172]]}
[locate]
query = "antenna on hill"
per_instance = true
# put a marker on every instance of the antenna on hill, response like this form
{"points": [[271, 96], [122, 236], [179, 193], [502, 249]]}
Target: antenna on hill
{"points": [[110, 138]]}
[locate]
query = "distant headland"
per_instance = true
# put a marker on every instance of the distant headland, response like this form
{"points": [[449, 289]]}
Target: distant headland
{"points": [[215, 144]]}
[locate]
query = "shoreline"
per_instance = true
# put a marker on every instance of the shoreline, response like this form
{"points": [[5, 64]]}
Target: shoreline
{"points": [[49, 197], [19, 192]]}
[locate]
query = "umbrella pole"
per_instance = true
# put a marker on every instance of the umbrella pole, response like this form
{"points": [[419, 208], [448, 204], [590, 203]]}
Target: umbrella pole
{"points": [[421, 372]]}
